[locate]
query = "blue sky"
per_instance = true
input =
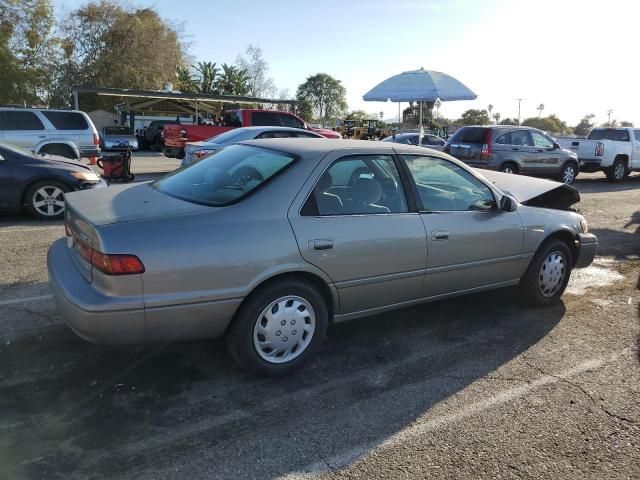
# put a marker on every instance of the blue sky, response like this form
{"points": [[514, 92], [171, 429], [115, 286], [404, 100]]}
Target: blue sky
{"points": [[574, 56]]}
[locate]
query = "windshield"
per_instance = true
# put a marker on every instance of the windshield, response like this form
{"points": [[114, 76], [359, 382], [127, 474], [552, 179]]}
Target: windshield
{"points": [[231, 135], [117, 131], [225, 177]]}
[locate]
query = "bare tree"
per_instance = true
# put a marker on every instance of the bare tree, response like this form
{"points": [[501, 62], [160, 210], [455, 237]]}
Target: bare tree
{"points": [[257, 68]]}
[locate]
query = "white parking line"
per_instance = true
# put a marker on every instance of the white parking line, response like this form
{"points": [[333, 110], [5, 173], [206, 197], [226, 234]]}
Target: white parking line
{"points": [[420, 429], [25, 300], [31, 229]]}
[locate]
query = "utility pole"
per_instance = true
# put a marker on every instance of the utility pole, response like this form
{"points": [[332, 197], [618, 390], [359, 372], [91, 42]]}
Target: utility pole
{"points": [[519, 102], [609, 112]]}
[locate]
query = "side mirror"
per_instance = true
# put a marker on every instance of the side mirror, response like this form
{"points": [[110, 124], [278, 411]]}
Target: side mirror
{"points": [[508, 204]]}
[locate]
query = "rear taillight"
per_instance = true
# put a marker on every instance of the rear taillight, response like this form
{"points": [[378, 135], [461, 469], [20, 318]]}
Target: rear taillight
{"points": [[485, 154], [599, 149], [96, 139], [67, 230], [110, 264], [202, 153]]}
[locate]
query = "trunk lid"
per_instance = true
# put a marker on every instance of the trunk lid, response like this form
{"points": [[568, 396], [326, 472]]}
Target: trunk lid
{"points": [[534, 192]]}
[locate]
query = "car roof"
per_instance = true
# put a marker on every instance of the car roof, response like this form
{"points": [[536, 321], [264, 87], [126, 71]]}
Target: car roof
{"points": [[303, 147]]}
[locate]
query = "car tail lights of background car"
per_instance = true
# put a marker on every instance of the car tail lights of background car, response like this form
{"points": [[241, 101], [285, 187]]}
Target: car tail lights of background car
{"points": [[485, 154], [599, 149], [109, 264], [96, 139]]}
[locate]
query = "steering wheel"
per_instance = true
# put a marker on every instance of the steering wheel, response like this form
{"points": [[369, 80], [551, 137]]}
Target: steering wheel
{"points": [[245, 174]]}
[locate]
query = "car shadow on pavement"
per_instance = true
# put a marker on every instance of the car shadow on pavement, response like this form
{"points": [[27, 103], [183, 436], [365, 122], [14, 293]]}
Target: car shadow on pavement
{"points": [[75, 410], [620, 244], [600, 185]]}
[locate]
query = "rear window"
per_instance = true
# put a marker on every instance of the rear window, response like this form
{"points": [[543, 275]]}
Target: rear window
{"points": [[609, 134], [229, 136], [66, 120], [265, 119], [469, 135], [225, 177], [232, 118], [117, 131], [20, 121]]}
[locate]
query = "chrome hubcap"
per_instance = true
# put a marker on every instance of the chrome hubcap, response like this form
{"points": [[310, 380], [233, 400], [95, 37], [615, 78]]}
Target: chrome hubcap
{"points": [[507, 170], [551, 275], [284, 329], [48, 201], [568, 175], [619, 171]]}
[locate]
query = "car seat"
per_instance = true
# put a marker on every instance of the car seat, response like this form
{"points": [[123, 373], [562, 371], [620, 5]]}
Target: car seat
{"points": [[365, 194], [328, 203]]}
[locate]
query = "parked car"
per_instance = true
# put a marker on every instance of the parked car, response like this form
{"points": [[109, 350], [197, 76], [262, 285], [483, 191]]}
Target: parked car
{"points": [[510, 149], [66, 133], [151, 135], [118, 138], [265, 242], [39, 183], [176, 136], [615, 151], [196, 150], [428, 140]]}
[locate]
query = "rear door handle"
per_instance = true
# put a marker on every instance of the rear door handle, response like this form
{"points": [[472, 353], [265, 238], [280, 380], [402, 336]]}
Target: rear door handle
{"points": [[515, 149], [42, 136], [440, 235], [321, 244]]}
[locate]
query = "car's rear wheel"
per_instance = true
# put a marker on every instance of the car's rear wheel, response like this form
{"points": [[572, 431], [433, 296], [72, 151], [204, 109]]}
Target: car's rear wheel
{"points": [[568, 173], [509, 167], [45, 199], [617, 171], [546, 278], [278, 328]]}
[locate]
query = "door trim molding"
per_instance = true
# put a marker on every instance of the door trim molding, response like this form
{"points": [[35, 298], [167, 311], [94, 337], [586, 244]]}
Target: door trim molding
{"points": [[379, 279]]}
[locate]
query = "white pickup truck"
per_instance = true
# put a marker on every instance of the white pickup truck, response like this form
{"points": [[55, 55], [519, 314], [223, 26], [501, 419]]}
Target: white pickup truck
{"points": [[615, 151]]}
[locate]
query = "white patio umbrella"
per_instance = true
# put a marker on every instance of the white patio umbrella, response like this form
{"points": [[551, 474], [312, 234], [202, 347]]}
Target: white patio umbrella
{"points": [[419, 86]]}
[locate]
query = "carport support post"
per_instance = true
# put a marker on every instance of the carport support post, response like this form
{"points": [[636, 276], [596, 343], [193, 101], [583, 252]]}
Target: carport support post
{"points": [[420, 131], [196, 111], [76, 103]]}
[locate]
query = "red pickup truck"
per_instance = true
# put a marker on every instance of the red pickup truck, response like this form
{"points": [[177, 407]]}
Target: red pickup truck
{"points": [[175, 136]]}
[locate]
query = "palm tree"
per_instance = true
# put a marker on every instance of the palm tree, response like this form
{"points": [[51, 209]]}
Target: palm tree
{"points": [[185, 80], [497, 117], [233, 81], [490, 107], [540, 109], [208, 73]]}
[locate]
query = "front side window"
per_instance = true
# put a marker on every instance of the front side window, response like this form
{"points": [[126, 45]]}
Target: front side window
{"points": [[66, 120], [290, 121], [444, 186], [521, 138], [225, 177], [541, 141], [17, 120], [357, 185]]}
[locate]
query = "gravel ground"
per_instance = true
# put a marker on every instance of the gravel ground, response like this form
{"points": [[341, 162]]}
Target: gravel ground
{"points": [[474, 387]]}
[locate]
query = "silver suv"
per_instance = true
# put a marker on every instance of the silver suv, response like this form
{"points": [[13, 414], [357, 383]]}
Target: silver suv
{"points": [[68, 133], [510, 149]]}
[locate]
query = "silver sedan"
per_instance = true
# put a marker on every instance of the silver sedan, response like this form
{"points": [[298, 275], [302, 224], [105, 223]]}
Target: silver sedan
{"points": [[267, 242]]}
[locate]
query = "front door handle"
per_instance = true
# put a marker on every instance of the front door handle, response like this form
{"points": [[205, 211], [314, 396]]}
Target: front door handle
{"points": [[515, 149], [440, 235], [42, 136], [321, 244]]}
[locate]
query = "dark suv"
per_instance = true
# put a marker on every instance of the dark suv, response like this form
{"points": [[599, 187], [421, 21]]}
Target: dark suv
{"points": [[511, 149]]}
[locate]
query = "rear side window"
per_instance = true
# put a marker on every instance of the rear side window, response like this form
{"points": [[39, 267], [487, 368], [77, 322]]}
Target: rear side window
{"points": [[225, 177], [637, 135], [20, 121], [522, 138], [504, 139], [265, 119], [469, 135], [66, 120], [290, 121]]}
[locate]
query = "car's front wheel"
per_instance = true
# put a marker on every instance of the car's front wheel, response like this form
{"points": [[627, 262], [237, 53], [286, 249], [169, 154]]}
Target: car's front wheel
{"points": [[568, 173], [546, 278], [278, 328], [45, 199]]}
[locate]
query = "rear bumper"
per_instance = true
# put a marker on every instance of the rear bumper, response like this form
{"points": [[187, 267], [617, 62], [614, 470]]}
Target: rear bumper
{"points": [[98, 318], [590, 164], [587, 245], [89, 151]]}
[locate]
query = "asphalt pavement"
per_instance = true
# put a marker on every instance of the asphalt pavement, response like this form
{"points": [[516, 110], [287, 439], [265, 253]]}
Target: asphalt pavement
{"points": [[474, 387]]}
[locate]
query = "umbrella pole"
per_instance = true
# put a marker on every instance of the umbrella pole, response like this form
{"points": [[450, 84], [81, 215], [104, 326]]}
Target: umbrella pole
{"points": [[420, 131], [399, 117]]}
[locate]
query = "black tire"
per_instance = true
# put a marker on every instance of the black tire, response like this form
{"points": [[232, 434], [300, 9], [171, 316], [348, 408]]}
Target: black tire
{"points": [[616, 172], [240, 337], [60, 150], [569, 172], [530, 283], [506, 166], [30, 198]]}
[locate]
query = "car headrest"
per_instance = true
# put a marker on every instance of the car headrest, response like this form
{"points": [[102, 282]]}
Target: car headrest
{"points": [[367, 190], [325, 182]]}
